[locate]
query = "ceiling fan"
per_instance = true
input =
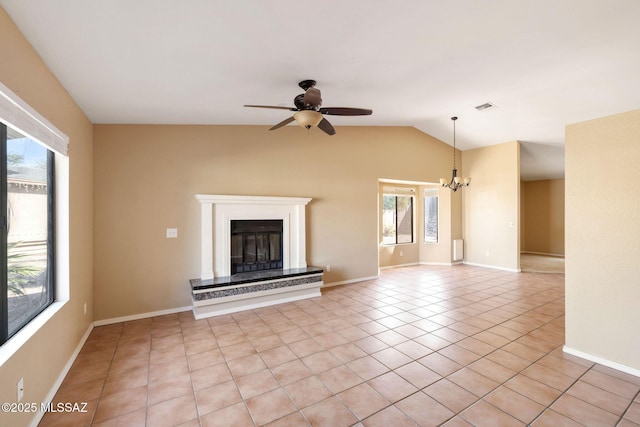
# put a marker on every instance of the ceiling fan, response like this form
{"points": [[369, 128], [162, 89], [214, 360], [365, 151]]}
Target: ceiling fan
{"points": [[308, 112]]}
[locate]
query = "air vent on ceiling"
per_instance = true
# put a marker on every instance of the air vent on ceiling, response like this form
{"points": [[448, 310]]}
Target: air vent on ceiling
{"points": [[485, 106]]}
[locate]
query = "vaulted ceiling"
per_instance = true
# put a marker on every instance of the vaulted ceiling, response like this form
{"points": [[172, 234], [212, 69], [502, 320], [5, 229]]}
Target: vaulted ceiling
{"points": [[543, 63]]}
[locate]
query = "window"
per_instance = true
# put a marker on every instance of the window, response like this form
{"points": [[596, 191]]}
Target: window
{"points": [[431, 215], [28, 269], [26, 230], [397, 219]]}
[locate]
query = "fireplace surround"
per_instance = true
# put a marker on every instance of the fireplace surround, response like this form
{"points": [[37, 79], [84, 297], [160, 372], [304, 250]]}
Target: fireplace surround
{"points": [[221, 289], [217, 212]]}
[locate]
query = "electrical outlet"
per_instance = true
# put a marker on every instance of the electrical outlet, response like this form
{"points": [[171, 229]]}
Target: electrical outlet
{"points": [[328, 268], [172, 233], [85, 308], [401, 253], [20, 387]]}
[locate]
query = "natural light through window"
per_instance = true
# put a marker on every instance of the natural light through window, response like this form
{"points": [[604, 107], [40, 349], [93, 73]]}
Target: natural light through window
{"points": [[397, 219], [27, 195], [431, 215]]}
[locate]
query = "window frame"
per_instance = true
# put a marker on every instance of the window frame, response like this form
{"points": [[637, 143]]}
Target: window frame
{"points": [[6, 326], [412, 209], [18, 115]]}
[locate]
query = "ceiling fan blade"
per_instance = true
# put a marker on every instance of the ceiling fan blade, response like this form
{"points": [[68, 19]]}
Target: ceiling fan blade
{"points": [[272, 106], [283, 123], [344, 111], [312, 98], [326, 127]]}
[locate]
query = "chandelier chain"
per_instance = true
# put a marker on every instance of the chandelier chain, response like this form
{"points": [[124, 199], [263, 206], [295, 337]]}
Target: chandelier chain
{"points": [[454, 141]]}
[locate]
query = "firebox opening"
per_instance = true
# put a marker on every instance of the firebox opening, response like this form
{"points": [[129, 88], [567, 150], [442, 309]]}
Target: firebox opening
{"points": [[256, 245]]}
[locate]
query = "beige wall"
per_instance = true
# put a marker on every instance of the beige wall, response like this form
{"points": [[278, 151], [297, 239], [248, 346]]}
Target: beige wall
{"points": [[544, 216], [41, 360], [491, 206], [146, 177], [603, 242]]}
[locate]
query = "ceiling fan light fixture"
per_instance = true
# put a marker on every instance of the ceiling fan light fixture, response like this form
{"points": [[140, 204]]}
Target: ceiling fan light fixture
{"points": [[308, 118]]}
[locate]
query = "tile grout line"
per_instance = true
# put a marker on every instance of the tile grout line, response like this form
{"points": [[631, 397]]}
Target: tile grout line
{"points": [[633, 399], [469, 336], [548, 407]]}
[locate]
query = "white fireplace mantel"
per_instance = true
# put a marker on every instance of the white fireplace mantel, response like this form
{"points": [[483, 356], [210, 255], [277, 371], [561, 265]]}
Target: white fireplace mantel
{"points": [[217, 212]]}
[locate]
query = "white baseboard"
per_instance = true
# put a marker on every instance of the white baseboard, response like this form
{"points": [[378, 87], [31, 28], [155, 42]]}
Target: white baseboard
{"points": [[494, 267], [389, 267], [542, 253], [140, 316], [602, 361], [446, 264], [346, 282], [56, 385]]}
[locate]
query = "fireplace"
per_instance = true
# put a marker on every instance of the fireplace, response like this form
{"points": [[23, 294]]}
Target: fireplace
{"points": [[218, 212], [256, 245], [267, 263]]}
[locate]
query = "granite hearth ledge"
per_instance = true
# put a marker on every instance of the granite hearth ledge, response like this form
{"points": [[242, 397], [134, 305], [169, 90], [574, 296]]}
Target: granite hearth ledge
{"points": [[246, 291], [254, 276]]}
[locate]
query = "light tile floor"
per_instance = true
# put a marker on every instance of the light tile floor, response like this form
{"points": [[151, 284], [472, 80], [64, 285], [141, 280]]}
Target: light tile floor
{"points": [[454, 346]]}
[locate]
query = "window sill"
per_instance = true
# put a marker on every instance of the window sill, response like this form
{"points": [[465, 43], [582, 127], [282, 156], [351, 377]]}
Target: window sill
{"points": [[9, 348]]}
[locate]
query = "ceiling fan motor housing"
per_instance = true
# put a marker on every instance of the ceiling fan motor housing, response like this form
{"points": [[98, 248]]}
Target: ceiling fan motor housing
{"points": [[298, 101], [312, 98], [306, 84]]}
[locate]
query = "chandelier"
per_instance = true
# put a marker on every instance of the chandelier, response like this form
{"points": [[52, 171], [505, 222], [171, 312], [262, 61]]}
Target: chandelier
{"points": [[456, 182]]}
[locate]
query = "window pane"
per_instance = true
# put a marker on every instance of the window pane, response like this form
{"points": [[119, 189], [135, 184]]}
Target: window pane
{"points": [[28, 290], [389, 220], [404, 219], [397, 219], [431, 218]]}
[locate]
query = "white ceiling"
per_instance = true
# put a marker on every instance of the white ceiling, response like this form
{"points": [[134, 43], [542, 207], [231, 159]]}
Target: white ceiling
{"points": [[544, 63]]}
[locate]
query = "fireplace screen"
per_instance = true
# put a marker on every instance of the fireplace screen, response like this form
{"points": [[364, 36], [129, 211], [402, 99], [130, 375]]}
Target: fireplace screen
{"points": [[256, 245]]}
